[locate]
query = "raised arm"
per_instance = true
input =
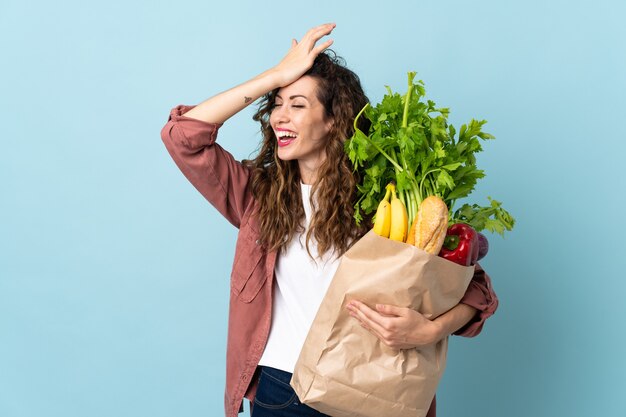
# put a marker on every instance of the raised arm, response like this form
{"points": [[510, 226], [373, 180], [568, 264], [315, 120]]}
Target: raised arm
{"points": [[191, 131], [298, 60]]}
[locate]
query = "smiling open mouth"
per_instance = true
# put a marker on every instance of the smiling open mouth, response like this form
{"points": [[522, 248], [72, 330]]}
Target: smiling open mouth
{"points": [[285, 137]]}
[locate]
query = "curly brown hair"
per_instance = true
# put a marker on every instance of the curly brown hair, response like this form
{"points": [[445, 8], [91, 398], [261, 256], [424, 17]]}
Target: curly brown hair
{"points": [[276, 183]]}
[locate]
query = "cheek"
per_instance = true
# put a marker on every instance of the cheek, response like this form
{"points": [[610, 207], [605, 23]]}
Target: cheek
{"points": [[323, 132], [321, 128]]}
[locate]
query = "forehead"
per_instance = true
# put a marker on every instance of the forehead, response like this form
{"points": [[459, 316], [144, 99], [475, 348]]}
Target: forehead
{"points": [[306, 86]]}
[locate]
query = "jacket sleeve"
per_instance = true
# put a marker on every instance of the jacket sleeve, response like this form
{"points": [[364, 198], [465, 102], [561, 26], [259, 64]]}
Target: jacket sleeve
{"points": [[213, 171], [481, 296]]}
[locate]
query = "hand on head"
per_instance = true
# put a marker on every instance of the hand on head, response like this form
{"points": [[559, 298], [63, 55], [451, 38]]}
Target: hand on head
{"points": [[302, 54]]}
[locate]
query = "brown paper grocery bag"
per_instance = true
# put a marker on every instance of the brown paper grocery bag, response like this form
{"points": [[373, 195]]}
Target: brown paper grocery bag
{"points": [[345, 371]]}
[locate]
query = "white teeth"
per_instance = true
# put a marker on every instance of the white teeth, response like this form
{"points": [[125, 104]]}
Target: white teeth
{"points": [[285, 134]]}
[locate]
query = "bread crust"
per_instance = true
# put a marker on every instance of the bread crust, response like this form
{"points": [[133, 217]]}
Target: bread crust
{"points": [[431, 224]]}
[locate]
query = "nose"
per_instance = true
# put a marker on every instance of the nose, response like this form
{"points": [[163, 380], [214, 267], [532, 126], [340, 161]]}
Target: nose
{"points": [[280, 114]]}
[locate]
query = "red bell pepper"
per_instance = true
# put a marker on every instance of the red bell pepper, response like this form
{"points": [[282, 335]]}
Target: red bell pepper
{"points": [[466, 251]]}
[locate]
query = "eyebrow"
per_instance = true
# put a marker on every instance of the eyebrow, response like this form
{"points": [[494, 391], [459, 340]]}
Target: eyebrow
{"points": [[294, 96]]}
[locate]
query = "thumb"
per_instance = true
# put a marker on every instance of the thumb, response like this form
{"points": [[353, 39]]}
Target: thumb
{"points": [[389, 309], [294, 43]]}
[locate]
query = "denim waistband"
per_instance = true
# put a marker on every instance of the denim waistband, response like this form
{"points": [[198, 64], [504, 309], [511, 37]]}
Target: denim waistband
{"points": [[279, 374]]}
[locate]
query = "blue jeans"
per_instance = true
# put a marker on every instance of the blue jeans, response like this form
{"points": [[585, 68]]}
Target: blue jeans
{"points": [[276, 398]]}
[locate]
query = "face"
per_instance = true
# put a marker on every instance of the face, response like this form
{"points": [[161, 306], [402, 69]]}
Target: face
{"points": [[300, 125]]}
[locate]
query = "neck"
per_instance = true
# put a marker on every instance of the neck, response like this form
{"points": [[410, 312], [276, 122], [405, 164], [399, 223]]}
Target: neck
{"points": [[307, 179], [308, 174]]}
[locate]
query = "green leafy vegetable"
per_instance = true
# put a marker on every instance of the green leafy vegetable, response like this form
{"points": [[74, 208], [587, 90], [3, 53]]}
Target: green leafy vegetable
{"points": [[411, 143]]}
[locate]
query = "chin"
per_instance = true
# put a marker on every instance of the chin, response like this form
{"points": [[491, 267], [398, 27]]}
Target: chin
{"points": [[285, 155]]}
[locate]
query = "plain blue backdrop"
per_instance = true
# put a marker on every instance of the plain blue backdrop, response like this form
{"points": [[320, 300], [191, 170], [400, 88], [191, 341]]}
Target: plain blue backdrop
{"points": [[114, 270]]}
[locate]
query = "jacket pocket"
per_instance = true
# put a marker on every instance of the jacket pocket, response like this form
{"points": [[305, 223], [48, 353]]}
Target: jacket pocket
{"points": [[248, 275]]}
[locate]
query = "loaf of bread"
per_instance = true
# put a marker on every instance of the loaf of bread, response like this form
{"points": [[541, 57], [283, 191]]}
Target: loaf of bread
{"points": [[431, 224]]}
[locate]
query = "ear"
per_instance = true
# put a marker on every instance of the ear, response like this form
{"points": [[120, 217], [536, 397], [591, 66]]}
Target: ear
{"points": [[330, 123]]}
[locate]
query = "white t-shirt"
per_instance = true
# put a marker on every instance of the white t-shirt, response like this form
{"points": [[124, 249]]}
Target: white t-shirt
{"points": [[301, 283]]}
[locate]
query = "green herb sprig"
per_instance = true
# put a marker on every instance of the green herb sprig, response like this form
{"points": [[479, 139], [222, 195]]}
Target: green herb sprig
{"points": [[411, 143]]}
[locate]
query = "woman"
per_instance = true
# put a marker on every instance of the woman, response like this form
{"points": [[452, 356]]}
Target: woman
{"points": [[293, 205]]}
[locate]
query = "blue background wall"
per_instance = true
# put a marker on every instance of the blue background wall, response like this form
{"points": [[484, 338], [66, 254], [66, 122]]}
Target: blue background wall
{"points": [[114, 270]]}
